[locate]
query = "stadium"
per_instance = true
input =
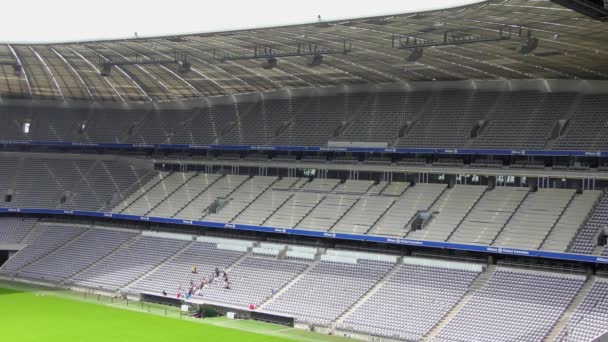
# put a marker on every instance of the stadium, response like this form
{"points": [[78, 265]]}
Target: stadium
{"points": [[431, 176]]}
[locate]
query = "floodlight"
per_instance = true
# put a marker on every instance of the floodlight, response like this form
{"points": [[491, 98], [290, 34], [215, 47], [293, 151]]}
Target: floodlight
{"points": [[17, 69], [270, 63], [106, 70], [316, 60]]}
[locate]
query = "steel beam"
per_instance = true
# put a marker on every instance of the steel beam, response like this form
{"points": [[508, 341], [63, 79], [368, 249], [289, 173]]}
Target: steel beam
{"points": [[180, 58], [401, 41], [301, 49]]}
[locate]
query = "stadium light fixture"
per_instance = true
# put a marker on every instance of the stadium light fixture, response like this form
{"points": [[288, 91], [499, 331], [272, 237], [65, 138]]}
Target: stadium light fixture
{"points": [[529, 43], [17, 68], [106, 70], [401, 41], [316, 61], [269, 63], [415, 55], [184, 67]]}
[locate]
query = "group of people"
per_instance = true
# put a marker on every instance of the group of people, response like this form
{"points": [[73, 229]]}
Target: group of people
{"points": [[196, 289]]}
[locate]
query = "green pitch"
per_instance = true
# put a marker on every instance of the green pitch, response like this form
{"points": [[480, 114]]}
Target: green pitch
{"points": [[41, 316]]}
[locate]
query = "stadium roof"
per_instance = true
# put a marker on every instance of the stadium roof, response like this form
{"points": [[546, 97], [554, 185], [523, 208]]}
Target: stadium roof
{"points": [[570, 46]]}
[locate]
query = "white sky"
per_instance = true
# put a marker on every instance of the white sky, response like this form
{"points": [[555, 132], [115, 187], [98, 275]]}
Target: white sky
{"points": [[73, 20]]}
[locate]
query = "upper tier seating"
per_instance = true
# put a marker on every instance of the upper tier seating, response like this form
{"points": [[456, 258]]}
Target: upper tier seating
{"points": [[587, 128], [317, 121], [382, 120], [260, 124], [523, 121], [435, 127], [447, 119]]}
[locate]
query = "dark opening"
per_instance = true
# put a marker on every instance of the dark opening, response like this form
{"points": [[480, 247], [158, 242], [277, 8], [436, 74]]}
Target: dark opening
{"points": [[3, 257], [8, 198]]}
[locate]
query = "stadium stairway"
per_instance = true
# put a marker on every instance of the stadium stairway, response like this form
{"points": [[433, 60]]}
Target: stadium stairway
{"points": [[151, 184], [309, 212], [124, 194], [278, 208], [234, 190], [31, 232], [123, 245], [446, 210], [475, 286], [561, 214], [243, 257], [467, 214], [256, 202], [350, 209], [290, 284], [510, 218], [366, 296], [576, 302], [176, 190], [197, 196], [269, 188], [371, 226], [574, 105]]}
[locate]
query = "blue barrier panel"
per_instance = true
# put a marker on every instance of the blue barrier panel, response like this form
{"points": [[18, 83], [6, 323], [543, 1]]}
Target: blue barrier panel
{"points": [[311, 148], [320, 234]]}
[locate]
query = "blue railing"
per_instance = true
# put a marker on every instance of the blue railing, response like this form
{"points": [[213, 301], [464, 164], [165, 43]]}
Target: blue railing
{"points": [[320, 234]]}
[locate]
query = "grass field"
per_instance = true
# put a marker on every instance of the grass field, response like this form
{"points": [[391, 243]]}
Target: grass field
{"points": [[32, 314]]}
